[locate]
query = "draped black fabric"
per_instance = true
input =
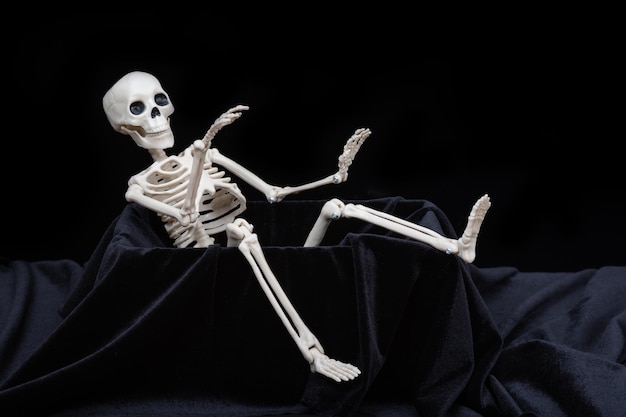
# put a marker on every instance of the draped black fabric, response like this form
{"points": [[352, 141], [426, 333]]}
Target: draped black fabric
{"points": [[144, 328]]}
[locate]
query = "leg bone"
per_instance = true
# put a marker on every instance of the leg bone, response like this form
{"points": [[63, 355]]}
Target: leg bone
{"points": [[465, 247], [306, 341]]}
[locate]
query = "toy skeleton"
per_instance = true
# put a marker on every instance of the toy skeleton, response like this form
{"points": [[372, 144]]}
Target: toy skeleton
{"points": [[196, 200]]}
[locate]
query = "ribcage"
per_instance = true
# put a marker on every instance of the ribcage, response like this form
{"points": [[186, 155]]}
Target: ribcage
{"points": [[219, 200]]}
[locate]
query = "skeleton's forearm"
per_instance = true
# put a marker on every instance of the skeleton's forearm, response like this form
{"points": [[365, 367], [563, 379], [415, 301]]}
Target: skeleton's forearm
{"points": [[272, 192], [331, 179], [199, 154]]}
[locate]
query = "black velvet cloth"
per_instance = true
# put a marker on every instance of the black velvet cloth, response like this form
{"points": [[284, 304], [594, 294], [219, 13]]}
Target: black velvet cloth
{"points": [[146, 329]]}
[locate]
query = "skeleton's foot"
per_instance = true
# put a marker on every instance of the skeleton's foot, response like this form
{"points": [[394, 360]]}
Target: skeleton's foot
{"points": [[467, 242], [334, 369]]}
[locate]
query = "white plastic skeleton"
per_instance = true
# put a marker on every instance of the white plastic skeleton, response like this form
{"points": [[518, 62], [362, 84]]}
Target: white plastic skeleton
{"points": [[196, 200]]}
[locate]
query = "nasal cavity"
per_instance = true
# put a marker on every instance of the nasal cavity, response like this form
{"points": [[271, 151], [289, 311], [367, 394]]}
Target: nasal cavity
{"points": [[155, 112]]}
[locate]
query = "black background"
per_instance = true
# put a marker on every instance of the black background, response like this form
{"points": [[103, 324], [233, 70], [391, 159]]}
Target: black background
{"points": [[523, 105]]}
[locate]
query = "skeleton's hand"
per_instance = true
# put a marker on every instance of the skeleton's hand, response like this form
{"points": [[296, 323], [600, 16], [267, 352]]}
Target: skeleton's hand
{"points": [[225, 118], [350, 149], [334, 369], [229, 116]]}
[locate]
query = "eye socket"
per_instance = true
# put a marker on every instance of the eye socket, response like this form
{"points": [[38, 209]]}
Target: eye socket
{"points": [[137, 107], [161, 99]]}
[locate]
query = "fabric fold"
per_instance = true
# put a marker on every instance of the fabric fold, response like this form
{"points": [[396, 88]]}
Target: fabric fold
{"points": [[152, 329]]}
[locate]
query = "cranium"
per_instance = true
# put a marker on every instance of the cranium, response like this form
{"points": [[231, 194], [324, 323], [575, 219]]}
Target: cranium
{"points": [[138, 106]]}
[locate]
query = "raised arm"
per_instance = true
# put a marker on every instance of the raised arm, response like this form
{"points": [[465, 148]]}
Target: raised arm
{"points": [[274, 193], [200, 148]]}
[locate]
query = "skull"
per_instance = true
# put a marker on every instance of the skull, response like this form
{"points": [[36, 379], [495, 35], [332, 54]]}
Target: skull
{"points": [[138, 106]]}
